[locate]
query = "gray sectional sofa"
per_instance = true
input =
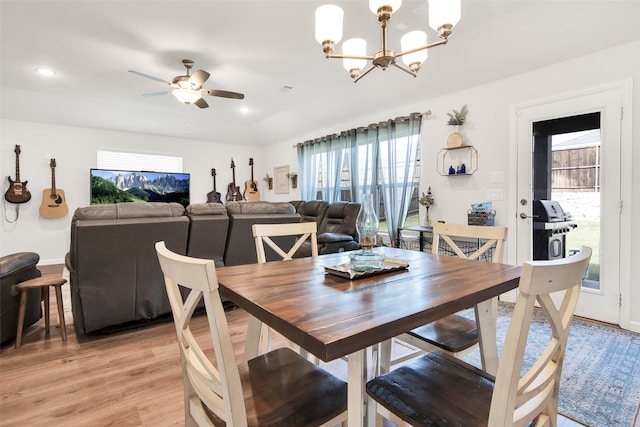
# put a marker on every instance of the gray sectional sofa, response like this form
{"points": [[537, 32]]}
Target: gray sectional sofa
{"points": [[115, 277]]}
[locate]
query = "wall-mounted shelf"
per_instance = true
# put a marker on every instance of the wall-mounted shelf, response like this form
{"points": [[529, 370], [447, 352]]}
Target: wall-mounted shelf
{"points": [[465, 154]]}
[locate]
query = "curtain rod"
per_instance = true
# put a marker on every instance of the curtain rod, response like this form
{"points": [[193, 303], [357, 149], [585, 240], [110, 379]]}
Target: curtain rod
{"points": [[426, 114]]}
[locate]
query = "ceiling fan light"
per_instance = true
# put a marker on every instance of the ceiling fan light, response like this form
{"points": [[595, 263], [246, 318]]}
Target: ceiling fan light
{"points": [[354, 47], [374, 5], [187, 96], [414, 40], [329, 23], [442, 12]]}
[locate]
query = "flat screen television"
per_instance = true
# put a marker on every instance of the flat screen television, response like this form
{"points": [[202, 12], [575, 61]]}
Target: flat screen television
{"points": [[116, 186]]}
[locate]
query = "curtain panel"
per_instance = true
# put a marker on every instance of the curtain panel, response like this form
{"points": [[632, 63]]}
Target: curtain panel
{"points": [[379, 159]]}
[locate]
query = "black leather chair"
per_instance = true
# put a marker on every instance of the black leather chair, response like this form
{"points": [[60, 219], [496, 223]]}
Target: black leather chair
{"points": [[16, 268], [336, 225]]}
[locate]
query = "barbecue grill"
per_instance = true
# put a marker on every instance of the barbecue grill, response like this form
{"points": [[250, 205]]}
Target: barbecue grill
{"points": [[550, 227]]}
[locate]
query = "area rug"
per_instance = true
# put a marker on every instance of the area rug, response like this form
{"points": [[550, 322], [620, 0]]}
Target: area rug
{"points": [[600, 385]]}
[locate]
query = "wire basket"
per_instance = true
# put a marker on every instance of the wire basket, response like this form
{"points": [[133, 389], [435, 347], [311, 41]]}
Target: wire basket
{"points": [[481, 217]]}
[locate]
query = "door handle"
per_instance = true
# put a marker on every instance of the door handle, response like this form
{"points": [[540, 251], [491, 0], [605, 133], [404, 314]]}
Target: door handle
{"points": [[524, 215]]}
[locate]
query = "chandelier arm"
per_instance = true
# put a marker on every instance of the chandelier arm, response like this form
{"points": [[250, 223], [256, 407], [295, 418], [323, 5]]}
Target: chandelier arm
{"points": [[332, 55], [405, 69], [367, 71], [418, 49], [383, 26]]}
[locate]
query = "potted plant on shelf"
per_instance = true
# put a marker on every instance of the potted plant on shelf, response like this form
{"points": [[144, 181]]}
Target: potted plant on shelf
{"points": [[293, 176], [269, 181], [427, 201], [457, 119]]}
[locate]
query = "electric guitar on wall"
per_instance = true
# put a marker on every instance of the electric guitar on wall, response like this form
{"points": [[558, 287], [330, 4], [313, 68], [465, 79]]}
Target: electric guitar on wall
{"points": [[53, 200], [251, 192], [233, 191], [214, 196], [17, 192]]}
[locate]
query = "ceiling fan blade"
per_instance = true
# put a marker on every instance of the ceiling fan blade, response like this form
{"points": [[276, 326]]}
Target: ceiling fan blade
{"points": [[157, 93], [146, 76], [198, 78], [223, 93], [201, 103]]}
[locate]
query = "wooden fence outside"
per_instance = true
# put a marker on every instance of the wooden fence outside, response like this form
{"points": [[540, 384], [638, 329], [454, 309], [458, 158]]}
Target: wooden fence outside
{"points": [[576, 169]]}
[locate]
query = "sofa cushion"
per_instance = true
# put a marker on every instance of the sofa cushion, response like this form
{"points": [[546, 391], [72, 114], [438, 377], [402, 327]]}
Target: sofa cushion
{"points": [[260, 207], [206, 209], [129, 210]]}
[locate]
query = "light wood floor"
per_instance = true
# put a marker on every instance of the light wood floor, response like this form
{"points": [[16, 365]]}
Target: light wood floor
{"points": [[130, 378]]}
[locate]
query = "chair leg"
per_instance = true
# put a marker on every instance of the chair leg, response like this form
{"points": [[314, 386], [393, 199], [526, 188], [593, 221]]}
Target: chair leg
{"points": [[47, 322], [63, 328], [23, 307], [384, 363]]}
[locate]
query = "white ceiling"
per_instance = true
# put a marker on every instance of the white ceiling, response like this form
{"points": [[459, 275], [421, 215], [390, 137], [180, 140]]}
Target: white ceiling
{"points": [[258, 48]]}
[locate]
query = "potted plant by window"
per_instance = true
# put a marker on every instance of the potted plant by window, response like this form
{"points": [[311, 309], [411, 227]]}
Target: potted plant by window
{"points": [[293, 176], [457, 119], [427, 201]]}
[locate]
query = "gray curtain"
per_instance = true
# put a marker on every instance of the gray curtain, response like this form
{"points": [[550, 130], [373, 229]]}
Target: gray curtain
{"points": [[398, 144], [325, 157], [380, 159]]}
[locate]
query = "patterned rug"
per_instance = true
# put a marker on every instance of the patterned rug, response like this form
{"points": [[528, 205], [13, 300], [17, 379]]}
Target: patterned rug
{"points": [[600, 384]]}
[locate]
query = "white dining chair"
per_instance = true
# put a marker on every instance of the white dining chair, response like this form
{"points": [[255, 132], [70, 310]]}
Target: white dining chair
{"points": [[456, 334], [275, 389], [263, 235], [439, 389]]}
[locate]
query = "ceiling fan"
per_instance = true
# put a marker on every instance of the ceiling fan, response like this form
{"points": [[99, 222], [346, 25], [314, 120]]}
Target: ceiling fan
{"points": [[188, 88]]}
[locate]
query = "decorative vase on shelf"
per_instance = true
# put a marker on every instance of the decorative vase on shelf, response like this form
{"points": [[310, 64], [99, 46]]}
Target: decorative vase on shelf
{"points": [[456, 139]]}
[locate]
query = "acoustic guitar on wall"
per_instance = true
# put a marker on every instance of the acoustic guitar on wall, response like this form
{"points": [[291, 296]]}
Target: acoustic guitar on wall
{"points": [[233, 191], [53, 204], [214, 196], [251, 192], [17, 192]]}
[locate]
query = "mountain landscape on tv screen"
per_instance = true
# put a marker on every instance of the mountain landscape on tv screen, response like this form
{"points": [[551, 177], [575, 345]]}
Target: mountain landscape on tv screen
{"points": [[121, 186]]}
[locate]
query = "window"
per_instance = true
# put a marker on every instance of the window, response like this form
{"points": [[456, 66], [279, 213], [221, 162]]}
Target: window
{"points": [[138, 162]]}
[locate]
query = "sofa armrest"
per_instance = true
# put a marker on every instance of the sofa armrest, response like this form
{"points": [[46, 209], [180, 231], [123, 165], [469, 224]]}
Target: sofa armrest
{"points": [[334, 237]]}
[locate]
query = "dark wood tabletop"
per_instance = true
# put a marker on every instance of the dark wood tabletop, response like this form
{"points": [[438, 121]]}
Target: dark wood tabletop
{"points": [[331, 316]]}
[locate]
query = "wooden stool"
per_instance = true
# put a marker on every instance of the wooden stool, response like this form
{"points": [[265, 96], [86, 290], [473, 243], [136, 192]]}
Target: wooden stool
{"points": [[41, 282]]}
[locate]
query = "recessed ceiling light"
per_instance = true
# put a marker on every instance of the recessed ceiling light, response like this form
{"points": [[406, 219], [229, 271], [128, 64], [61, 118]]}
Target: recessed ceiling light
{"points": [[244, 110], [47, 72]]}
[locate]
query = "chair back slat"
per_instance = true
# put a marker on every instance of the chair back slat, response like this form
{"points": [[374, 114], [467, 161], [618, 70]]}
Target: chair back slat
{"points": [[517, 400], [263, 233], [493, 238], [217, 386]]}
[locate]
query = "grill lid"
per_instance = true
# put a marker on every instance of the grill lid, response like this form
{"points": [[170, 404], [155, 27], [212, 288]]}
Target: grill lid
{"points": [[548, 211]]}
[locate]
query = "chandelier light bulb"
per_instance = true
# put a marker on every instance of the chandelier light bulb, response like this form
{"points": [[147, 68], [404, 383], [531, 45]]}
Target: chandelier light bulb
{"points": [[413, 40], [354, 47], [329, 23], [444, 12]]}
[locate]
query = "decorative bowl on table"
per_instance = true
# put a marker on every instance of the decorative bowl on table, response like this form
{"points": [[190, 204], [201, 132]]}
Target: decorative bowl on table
{"points": [[367, 260]]}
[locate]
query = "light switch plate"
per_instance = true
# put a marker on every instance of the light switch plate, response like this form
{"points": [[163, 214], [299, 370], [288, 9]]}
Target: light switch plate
{"points": [[497, 177]]}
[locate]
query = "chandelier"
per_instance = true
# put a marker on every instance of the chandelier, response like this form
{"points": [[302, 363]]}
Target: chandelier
{"points": [[443, 15]]}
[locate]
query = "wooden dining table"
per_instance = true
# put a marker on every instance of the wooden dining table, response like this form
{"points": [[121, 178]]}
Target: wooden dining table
{"points": [[332, 316]]}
